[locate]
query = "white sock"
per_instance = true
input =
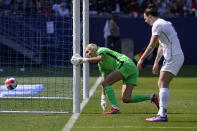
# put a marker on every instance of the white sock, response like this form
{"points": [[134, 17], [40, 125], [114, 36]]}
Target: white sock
{"points": [[163, 101]]}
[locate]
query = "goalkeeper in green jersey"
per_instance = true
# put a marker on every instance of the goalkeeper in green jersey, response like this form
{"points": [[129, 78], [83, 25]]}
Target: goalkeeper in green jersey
{"points": [[114, 67]]}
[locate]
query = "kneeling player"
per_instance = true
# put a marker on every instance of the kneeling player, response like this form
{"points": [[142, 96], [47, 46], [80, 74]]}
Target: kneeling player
{"points": [[114, 67]]}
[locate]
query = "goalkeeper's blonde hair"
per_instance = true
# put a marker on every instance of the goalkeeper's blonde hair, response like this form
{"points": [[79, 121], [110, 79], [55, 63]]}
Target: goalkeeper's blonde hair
{"points": [[92, 46]]}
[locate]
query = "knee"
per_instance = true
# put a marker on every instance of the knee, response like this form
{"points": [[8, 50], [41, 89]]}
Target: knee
{"points": [[162, 84], [104, 84], [159, 83], [126, 100]]}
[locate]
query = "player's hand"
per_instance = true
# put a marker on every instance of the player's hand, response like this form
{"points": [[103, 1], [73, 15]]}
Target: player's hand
{"points": [[103, 102], [139, 64], [155, 69], [76, 60]]}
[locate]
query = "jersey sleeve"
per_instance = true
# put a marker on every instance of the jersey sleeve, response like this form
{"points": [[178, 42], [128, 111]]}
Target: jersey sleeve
{"points": [[101, 51], [156, 30]]}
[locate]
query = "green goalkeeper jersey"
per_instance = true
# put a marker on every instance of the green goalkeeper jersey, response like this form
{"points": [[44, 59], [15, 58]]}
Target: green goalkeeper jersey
{"points": [[112, 60]]}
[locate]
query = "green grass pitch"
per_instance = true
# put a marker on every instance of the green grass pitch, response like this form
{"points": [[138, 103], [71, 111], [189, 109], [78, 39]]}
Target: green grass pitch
{"points": [[182, 110]]}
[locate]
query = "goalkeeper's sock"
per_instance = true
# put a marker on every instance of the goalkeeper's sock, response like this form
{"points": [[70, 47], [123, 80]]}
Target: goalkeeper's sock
{"points": [[163, 102], [111, 96], [139, 98]]}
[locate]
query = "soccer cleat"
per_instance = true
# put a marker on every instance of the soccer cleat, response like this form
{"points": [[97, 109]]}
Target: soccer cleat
{"points": [[155, 100], [113, 111], [158, 118]]}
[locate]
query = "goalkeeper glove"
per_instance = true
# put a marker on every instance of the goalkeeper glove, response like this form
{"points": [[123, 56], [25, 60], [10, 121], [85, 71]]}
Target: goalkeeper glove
{"points": [[103, 102], [77, 60]]}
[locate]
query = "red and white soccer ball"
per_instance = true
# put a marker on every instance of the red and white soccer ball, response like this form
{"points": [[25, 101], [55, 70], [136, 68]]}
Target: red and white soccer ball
{"points": [[11, 83]]}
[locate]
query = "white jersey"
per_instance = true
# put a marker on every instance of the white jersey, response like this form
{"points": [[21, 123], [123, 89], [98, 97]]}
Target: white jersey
{"points": [[168, 38]]}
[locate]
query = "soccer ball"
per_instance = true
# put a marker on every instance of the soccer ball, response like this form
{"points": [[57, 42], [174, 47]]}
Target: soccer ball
{"points": [[11, 83]]}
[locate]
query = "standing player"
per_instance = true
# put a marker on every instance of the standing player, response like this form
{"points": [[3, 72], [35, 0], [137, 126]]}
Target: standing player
{"points": [[114, 67], [173, 57]]}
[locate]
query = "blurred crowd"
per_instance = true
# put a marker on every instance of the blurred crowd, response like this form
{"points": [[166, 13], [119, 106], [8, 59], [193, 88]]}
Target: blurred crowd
{"points": [[134, 8], [46, 8]]}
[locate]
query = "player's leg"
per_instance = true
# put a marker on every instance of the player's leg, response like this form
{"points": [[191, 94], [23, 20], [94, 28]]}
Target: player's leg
{"points": [[168, 71], [128, 97], [111, 78], [128, 85], [163, 84], [126, 92]]}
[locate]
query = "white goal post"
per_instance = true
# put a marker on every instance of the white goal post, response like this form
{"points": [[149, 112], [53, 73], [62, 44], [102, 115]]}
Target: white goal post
{"points": [[76, 50], [85, 42]]}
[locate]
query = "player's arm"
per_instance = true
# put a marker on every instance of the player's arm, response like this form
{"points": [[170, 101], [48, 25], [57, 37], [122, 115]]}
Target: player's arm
{"points": [[148, 50], [103, 97], [150, 46], [103, 91], [95, 59], [104, 75], [77, 59], [159, 54], [155, 68]]}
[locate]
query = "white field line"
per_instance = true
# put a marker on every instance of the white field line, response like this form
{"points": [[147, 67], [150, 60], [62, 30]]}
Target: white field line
{"points": [[141, 127], [75, 116], [177, 91]]}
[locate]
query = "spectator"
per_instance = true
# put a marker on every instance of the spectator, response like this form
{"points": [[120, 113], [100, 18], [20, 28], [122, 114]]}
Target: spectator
{"points": [[124, 6], [46, 8], [162, 7], [114, 38], [178, 6], [116, 6], [7, 4], [134, 8], [29, 7], [107, 32], [168, 12], [194, 11], [62, 9], [186, 11], [17, 7], [93, 7], [102, 7], [1, 3]]}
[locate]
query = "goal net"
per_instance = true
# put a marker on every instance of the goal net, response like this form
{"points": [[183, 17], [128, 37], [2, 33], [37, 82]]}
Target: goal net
{"points": [[36, 39]]}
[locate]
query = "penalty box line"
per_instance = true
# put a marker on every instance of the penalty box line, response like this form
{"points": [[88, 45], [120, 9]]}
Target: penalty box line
{"points": [[75, 116]]}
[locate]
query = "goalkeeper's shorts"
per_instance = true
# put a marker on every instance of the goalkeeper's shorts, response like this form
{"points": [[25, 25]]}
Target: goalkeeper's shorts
{"points": [[129, 72], [173, 65]]}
